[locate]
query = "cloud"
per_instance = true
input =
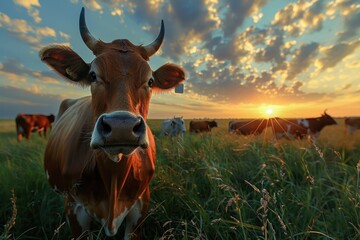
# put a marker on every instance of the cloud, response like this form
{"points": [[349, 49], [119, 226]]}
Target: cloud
{"points": [[299, 17], [15, 71], [302, 59], [64, 35], [30, 7], [272, 52], [336, 53], [32, 35], [236, 12], [92, 4], [352, 27], [15, 100], [348, 12]]}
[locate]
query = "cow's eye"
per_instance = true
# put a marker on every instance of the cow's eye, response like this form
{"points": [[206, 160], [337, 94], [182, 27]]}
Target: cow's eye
{"points": [[92, 76], [151, 82]]}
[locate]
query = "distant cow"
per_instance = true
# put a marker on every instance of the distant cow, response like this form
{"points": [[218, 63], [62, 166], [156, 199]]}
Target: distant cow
{"points": [[202, 126], [288, 128], [299, 128], [27, 123], [174, 127], [352, 124], [255, 127]]}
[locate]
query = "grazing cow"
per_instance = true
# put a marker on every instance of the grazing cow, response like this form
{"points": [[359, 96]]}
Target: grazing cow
{"points": [[288, 128], [255, 127], [27, 123], [202, 126], [174, 127], [298, 128], [101, 153], [352, 124]]}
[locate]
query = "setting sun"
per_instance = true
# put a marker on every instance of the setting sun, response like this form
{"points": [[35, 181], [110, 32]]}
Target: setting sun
{"points": [[269, 111]]}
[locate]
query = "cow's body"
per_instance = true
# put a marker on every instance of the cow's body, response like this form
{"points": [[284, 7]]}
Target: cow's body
{"points": [[299, 128], [288, 128], [255, 127], [352, 124], [27, 123], [202, 126], [101, 153], [174, 127]]}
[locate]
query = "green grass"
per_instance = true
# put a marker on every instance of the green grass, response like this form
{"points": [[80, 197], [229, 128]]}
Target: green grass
{"points": [[214, 186]]}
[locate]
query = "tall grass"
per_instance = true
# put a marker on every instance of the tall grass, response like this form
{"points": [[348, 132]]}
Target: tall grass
{"points": [[211, 186]]}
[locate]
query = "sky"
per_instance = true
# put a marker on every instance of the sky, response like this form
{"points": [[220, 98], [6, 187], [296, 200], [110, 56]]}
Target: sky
{"points": [[243, 58]]}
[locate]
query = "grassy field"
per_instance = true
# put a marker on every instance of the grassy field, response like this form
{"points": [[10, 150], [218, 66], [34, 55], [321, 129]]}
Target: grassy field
{"points": [[213, 186]]}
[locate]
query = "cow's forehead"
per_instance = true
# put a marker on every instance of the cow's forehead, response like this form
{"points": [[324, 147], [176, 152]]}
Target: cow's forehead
{"points": [[118, 63]]}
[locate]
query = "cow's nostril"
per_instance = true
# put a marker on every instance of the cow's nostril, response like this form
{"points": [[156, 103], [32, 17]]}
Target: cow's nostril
{"points": [[138, 128], [106, 128]]}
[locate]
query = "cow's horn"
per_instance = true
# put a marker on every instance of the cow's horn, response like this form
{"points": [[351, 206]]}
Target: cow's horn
{"points": [[86, 36], [155, 45]]}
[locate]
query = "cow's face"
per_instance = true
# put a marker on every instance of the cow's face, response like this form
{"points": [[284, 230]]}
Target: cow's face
{"points": [[178, 125], [327, 119], [213, 124], [121, 83]]}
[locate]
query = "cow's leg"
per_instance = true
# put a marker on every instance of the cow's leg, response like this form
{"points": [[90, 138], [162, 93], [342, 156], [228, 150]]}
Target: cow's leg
{"points": [[45, 129], [136, 216], [19, 131], [27, 133], [79, 220], [19, 136]]}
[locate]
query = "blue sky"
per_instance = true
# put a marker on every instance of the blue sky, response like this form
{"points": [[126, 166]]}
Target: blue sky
{"points": [[241, 57]]}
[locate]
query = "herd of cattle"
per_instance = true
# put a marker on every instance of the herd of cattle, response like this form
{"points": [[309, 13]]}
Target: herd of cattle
{"points": [[101, 153], [176, 127], [281, 128]]}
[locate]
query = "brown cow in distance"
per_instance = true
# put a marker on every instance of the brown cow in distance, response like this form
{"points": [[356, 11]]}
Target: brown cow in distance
{"points": [[255, 127], [352, 124], [101, 154], [298, 128], [27, 123], [202, 126]]}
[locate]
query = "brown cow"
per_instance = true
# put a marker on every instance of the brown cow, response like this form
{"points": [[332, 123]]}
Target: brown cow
{"points": [[298, 128], [101, 153], [352, 124], [255, 127], [202, 126], [27, 123]]}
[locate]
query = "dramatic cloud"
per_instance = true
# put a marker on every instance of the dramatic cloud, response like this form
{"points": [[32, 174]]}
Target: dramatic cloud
{"points": [[336, 53], [236, 12], [302, 59], [299, 17], [348, 11], [15, 100], [352, 26]]}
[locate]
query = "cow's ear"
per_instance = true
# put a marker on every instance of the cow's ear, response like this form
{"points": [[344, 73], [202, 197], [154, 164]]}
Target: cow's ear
{"points": [[66, 62], [168, 76]]}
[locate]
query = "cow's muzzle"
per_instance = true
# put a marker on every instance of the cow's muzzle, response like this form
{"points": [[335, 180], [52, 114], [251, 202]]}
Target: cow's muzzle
{"points": [[119, 132]]}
